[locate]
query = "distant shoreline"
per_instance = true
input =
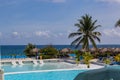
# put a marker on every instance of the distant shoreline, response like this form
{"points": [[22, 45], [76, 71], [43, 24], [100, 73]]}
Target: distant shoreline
{"points": [[18, 49]]}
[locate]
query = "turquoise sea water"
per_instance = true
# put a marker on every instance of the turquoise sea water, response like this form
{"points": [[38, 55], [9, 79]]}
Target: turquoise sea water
{"points": [[53, 75]]}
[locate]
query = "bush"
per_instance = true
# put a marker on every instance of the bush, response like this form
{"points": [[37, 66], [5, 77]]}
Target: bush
{"points": [[28, 49], [49, 52], [46, 56]]}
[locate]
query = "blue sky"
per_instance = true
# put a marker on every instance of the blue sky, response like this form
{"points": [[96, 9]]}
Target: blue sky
{"points": [[50, 21]]}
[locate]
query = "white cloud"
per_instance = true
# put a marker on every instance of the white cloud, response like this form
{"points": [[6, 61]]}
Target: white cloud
{"points": [[110, 1], [42, 33], [60, 34], [112, 32], [15, 33], [49, 34]]}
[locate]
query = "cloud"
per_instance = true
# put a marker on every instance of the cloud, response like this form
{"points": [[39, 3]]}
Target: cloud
{"points": [[42, 33], [15, 33], [49, 34], [112, 32], [110, 1], [60, 34], [57, 35]]}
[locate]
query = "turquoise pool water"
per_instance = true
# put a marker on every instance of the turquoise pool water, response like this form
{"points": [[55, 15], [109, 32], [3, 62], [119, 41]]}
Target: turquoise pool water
{"points": [[32, 67], [48, 71], [42, 72], [52, 75]]}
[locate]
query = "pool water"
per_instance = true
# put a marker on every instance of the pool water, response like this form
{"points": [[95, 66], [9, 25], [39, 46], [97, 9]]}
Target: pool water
{"points": [[42, 72], [52, 75], [32, 67], [47, 71]]}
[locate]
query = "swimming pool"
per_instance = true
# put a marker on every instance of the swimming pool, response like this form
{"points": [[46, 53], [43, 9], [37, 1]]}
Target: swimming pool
{"points": [[51, 75], [47, 71], [31, 67]]}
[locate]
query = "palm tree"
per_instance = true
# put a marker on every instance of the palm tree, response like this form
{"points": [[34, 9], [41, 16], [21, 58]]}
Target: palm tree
{"points": [[86, 32], [117, 23]]}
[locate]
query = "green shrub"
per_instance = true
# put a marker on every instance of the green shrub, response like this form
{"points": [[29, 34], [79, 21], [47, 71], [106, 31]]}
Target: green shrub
{"points": [[28, 49], [49, 52]]}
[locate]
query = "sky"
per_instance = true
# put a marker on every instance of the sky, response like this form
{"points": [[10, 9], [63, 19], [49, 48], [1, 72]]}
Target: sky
{"points": [[44, 22]]}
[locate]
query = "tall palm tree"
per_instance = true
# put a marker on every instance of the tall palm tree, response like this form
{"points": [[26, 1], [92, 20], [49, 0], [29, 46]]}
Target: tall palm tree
{"points": [[86, 32], [117, 23]]}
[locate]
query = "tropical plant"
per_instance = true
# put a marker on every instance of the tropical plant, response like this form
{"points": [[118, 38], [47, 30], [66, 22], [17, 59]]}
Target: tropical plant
{"points": [[117, 23], [28, 49], [87, 57], [86, 32], [117, 58], [49, 52], [76, 52], [107, 61]]}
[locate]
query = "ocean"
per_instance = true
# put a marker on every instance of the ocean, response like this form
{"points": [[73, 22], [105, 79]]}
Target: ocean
{"points": [[19, 49]]}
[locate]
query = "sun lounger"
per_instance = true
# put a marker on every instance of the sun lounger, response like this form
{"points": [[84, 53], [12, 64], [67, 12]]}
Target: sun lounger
{"points": [[13, 63], [35, 62], [41, 62], [20, 63]]}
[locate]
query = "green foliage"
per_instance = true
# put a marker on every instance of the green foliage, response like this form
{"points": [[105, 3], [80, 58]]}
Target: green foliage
{"points": [[105, 54], [117, 58], [96, 55], [46, 56], [77, 56], [87, 57], [86, 32], [28, 49], [49, 52], [107, 61]]}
